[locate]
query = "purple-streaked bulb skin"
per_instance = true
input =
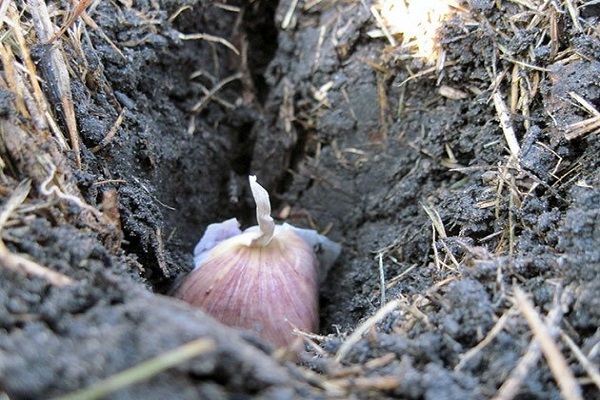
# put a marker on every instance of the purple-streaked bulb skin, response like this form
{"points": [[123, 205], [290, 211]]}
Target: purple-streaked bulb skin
{"points": [[326, 250], [267, 289], [264, 279]]}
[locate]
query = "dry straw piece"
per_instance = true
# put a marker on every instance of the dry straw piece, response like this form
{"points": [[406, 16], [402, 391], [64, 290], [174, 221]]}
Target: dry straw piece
{"points": [[567, 383]]}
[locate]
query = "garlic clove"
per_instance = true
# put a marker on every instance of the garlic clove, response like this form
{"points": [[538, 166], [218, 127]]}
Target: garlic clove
{"points": [[265, 279], [269, 289]]}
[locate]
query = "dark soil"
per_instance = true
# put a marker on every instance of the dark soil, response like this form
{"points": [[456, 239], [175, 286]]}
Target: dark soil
{"points": [[350, 135]]}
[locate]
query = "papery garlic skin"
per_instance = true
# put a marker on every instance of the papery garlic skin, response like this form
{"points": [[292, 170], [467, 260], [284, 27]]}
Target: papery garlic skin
{"points": [[215, 234], [269, 289], [264, 279]]}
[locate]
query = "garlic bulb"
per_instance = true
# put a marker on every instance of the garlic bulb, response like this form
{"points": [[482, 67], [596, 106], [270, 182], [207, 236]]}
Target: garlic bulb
{"points": [[264, 279]]}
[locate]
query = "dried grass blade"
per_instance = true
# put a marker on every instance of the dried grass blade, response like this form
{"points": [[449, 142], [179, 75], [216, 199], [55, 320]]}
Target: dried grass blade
{"points": [[79, 9], [38, 95], [19, 263], [55, 71], [16, 199], [506, 125], [567, 383], [144, 370], [358, 333], [209, 38], [582, 128], [436, 220], [11, 79], [589, 107], [511, 386], [589, 366]]}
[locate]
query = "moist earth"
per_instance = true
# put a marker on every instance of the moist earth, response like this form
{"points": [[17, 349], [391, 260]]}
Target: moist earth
{"points": [[442, 206]]}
